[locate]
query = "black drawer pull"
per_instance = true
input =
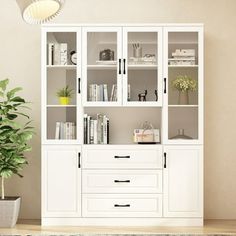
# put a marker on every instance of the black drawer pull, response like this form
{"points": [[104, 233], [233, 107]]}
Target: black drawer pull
{"points": [[117, 157], [121, 181], [118, 205]]}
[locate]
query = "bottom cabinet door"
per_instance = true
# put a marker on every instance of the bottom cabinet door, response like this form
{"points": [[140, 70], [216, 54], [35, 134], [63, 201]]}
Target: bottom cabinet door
{"points": [[61, 181], [183, 181]]}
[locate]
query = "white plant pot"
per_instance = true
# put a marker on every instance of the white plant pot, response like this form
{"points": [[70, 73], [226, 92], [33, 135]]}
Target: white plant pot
{"points": [[9, 211]]}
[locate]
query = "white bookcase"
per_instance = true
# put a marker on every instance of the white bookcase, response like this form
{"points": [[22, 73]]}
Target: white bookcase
{"points": [[122, 183]]}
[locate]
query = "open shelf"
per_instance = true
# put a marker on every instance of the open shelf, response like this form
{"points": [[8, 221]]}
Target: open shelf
{"points": [[123, 121]]}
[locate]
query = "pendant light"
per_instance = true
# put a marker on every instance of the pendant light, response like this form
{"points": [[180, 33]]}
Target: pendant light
{"points": [[39, 11]]}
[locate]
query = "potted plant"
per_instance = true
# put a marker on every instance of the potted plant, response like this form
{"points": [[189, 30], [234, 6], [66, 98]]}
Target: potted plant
{"points": [[64, 95], [14, 136], [183, 84]]}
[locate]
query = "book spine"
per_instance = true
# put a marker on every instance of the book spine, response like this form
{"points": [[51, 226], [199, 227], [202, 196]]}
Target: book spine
{"points": [[112, 92], [104, 130], [57, 59], [57, 133], [105, 93], [88, 130], [85, 129], [61, 130], [95, 134], [92, 131], [108, 131], [101, 95], [129, 94]]}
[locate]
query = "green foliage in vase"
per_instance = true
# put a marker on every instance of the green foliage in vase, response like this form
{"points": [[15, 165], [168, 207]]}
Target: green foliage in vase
{"points": [[65, 92], [14, 133], [184, 83]]}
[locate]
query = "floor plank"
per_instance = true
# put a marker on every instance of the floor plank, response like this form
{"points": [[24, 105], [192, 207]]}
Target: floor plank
{"points": [[210, 227]]}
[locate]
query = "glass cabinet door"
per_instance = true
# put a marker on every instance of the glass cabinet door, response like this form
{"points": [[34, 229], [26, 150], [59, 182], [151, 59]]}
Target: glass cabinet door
{"points": [[183, 85], [102, 66], [142, 66], [61, 81]]}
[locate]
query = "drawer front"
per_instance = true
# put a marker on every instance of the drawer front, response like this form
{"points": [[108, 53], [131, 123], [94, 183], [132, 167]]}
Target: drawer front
{"points": [[122, 205], [122, 181], [125, 157]]}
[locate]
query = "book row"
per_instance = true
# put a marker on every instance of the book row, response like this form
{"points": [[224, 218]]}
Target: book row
{"points": [[96, 131], [65, 130], [57, 54]]}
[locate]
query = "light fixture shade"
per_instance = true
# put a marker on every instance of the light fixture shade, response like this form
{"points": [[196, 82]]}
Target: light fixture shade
{"points": [[39, 11]]}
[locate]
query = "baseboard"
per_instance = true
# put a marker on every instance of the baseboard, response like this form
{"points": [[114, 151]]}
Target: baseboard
{"points": [[122, 221]]}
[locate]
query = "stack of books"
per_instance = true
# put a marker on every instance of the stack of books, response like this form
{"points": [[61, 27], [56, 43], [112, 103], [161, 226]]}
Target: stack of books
{"points": [[183, 57], [57, 54], [96, 131], [65, 130], [98, 92]]}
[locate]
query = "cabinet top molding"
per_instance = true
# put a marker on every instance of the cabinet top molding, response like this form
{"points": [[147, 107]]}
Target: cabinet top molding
{"points": [[128, 24]]}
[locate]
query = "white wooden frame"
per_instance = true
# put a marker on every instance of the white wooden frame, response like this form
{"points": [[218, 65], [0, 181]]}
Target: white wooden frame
{"points": [[85, 31], [79, 120], [200, 107], [126, 31]]}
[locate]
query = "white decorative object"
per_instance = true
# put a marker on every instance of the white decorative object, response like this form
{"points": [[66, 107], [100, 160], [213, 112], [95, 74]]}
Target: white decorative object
{"points": [[63, 53], [39, 11]]}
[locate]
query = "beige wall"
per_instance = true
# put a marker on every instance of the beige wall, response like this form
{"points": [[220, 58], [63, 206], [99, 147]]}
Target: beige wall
{"points": [[20, 61]]}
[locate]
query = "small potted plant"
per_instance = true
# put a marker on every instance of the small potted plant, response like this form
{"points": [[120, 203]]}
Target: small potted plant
{"points": [[64, 95], [14, 136], [183, 84]]}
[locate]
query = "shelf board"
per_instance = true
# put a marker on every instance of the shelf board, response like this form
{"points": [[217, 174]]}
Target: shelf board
{"points": [[101, 104], [68, 67], [183, 66], [102, 67], [142, 67], [61, 141], [182, 105], [61, 106], [181, 42]]}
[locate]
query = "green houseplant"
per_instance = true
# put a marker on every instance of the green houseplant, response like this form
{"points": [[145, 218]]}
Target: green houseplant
{"points": [[64, 95], [15, 132], [183, 84]]}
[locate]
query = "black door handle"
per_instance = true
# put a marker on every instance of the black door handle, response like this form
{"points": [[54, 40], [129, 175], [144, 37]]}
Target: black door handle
{"points": [[117, 157], [121, 181], [119, 66], [164, 159], [79, 81], [164, 85], [79, 160], [124, 67], [118, 205]]}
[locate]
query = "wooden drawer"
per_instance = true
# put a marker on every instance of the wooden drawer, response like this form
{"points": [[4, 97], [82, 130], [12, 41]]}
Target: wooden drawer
{"points": [[122, 156], [122, 205], [122, 181]]}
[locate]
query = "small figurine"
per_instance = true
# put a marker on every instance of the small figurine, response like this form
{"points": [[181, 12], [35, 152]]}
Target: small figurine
{"points": [[142, 96], [156, 95]]}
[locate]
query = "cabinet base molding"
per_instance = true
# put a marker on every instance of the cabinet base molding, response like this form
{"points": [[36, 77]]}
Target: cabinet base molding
{"points": [[122, 222]]}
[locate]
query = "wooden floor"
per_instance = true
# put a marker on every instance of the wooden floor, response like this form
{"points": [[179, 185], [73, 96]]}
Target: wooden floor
{"points": [[210, 227]]}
